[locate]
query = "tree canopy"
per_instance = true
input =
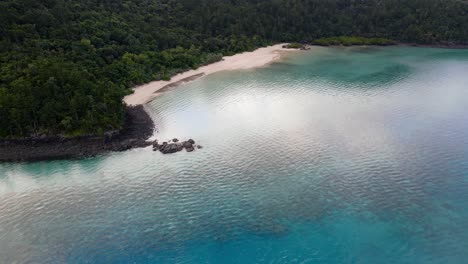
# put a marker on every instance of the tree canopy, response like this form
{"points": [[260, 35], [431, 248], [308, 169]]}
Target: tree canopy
{"points": [[66, 65]]}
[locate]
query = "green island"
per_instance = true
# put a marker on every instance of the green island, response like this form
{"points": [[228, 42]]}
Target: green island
{"points": [[66, 65]]}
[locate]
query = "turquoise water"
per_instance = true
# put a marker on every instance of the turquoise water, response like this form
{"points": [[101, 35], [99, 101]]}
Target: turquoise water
{"points": [[337, 155]]}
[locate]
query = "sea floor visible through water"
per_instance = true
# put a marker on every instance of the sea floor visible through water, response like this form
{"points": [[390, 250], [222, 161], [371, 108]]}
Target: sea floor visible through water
{"points": [[334, 155]]}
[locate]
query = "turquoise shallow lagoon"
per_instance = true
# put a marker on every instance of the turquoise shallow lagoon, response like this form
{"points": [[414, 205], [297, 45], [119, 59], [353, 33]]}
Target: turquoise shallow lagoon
{"points": [[335, 155]]}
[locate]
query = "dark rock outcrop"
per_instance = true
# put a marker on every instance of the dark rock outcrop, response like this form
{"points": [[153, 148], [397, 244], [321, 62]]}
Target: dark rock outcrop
{"points": [[190, 149], [187, 144], [137, 128], [169, 148], [156, 144], [175, 146], [179, 146]]}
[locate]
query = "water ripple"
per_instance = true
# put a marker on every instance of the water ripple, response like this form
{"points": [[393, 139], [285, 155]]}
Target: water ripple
{"points": [[334, 156]]}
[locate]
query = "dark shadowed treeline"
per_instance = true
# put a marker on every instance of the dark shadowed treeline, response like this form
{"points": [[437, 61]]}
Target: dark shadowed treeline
{"points": [[65, 65]]}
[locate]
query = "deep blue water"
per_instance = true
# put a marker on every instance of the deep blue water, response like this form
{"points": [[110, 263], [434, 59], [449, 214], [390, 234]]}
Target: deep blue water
{"points": [[335, 155]]}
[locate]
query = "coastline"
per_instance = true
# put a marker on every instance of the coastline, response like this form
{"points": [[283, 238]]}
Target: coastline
{"points": [[247, 60], [138, 126], [260, 57], [440, 46], [137, 129], [435, 46]]}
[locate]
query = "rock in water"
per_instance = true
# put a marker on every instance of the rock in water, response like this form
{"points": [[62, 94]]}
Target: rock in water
{"points": [[187, 144], [199, 146], [190, 149], [155, 145], [169, 148], [179, 146], [175, 146]]}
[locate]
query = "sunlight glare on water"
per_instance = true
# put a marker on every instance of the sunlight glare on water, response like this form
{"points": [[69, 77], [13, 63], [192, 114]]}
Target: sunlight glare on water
{"points": [[336, 155]]}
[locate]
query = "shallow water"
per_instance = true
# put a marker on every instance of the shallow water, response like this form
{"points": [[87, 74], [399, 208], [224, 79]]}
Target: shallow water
{"points": [[337, 155]]}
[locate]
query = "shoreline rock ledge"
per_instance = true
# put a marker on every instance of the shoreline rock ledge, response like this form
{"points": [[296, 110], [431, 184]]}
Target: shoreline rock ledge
{"points": [[175, 145], [138, 127]]}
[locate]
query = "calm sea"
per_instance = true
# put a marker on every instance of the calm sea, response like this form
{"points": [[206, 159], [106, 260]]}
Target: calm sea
{"points": [[335, 155]]}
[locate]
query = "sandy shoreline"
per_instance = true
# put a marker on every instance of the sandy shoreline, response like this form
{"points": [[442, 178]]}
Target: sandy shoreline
{"points": [[247, 60]]}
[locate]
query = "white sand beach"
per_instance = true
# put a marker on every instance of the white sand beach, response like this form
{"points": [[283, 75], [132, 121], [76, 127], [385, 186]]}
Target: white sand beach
{"points": [[247, 60]]}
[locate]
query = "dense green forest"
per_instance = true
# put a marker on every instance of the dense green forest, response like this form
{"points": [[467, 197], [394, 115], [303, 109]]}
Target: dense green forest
{"points": [[352, 40], [65, 65]]}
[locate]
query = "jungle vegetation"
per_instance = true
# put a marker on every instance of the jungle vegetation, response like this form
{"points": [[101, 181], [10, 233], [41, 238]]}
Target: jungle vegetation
{"points": [[66, 65]]}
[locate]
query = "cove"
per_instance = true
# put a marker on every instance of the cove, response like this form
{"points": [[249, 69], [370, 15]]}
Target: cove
{"points": [[334, 155]]}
